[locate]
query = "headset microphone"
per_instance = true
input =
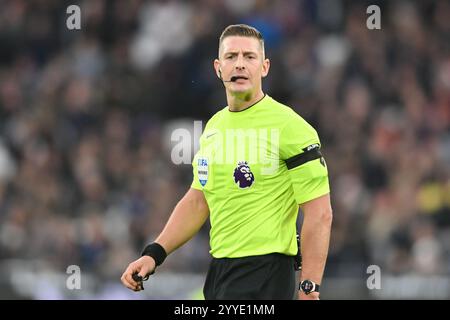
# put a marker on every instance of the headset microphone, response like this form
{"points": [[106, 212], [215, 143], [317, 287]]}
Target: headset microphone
{"points": [[233, 79]]}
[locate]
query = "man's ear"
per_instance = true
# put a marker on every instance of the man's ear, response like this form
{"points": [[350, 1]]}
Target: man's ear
{"points": [[265, 68], [217, 68]]}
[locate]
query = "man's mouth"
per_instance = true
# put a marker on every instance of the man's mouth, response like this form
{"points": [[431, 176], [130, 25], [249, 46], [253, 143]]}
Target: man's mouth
{"points": [[236, 78]]}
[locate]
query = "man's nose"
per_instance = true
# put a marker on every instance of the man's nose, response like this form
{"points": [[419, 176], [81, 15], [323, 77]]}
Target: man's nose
{"points": [[240, 63]]}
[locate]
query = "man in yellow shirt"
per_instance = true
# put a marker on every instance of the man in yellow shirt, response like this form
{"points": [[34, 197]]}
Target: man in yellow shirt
{"points": [[258, 162]]}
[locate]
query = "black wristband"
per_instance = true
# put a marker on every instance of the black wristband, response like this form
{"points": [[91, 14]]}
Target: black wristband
{"points": [[156, 251]]}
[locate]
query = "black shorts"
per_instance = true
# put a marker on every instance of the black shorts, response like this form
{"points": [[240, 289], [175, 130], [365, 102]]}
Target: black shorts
{"points": [[266, 277]]}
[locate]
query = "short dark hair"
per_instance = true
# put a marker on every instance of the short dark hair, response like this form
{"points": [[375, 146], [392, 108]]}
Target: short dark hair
{"points": [[242, 30]]}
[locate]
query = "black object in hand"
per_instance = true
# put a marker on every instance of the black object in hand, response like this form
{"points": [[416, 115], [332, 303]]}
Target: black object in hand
{"points": [[136, 277]]}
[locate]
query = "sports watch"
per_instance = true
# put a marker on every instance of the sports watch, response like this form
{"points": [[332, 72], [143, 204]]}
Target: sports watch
{"points": [[308, 286]]}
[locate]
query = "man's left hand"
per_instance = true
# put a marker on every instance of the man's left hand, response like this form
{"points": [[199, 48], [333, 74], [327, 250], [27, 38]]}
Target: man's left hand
{"points": [[311, 296]]}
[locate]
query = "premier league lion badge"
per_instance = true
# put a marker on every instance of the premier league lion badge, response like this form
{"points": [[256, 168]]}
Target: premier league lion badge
{"points": [[243, 176]]}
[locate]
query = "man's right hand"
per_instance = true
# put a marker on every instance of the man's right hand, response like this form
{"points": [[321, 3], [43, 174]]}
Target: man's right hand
{"points": [[143, 266]]}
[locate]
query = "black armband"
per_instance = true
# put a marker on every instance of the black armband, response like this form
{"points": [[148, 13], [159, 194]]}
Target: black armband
{"points": [[156, 251], [309, 153]]}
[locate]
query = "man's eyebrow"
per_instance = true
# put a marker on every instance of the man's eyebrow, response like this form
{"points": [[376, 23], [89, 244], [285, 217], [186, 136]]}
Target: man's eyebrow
{"points": [[246, 53]]}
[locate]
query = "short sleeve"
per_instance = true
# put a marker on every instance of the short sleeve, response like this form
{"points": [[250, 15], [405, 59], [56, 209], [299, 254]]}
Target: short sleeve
{"points": [[300, 148]]}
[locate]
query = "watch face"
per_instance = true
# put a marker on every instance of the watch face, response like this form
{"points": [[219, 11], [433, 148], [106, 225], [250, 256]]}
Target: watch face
{"points": [[307, 286]]}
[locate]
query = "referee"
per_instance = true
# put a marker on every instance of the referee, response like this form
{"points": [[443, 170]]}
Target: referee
{"points": [[251, 189]]}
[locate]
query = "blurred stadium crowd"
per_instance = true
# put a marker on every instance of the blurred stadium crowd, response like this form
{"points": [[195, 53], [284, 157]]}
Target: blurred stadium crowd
{"points": [[86, 176]]}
